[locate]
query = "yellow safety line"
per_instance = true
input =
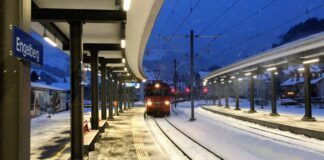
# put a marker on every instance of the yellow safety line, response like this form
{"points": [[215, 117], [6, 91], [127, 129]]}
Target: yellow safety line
{"points": [[138, 142], [59, 153]]}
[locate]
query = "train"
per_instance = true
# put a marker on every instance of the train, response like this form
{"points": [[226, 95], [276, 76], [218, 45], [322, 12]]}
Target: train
{"points": [[157, 98]]}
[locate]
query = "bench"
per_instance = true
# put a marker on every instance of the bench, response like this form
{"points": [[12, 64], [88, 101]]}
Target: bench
{"points": [[89, 140], [102, 125]]}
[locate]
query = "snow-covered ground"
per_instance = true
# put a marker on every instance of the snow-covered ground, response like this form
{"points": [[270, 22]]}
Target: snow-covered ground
{"points": [[48, 134], [245, 104], [235, 139]]}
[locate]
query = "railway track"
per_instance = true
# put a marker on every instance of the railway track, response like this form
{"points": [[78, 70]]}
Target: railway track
{"points": [[193, 142]]}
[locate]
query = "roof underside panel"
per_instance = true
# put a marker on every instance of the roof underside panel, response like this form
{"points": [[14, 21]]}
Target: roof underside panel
{"points": [[140, 20]]}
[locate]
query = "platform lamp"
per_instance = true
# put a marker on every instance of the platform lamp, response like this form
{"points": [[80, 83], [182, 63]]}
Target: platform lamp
{"points": [[49, 40]]}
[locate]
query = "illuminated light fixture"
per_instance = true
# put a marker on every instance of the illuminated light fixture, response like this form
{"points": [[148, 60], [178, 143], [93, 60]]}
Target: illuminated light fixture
{"points": [[272, 69], [48, 40], [126, 5], [240, 79], [290, 93], [144, 80], [157, 85], [149, 103], [204, 83], [222, 79], [276, 73], [215, 81], [233, 77], [311, 61], [222, 83], [122, 43], [229, 81], [167, 102], [128, 74], [255, 77], [123, 60], [301, 69], [125, 69], [248, 74]]}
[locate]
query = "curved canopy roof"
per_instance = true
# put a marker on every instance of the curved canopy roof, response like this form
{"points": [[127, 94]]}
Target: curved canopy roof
{"points": [[140, 19]]}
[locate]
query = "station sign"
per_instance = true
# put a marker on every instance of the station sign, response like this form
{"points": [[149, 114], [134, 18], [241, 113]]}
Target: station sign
{"points": [[26, 47]]}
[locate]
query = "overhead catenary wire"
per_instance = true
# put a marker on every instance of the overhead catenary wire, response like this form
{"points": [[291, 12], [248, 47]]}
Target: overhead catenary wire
{"points": [[220, 16], [238, 23], [271, 29], [169, 17]]}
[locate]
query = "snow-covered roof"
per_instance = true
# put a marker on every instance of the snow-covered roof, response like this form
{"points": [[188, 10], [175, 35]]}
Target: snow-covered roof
{"points": [[280, 54], [65, 86], [294, 81], [45, 86]]}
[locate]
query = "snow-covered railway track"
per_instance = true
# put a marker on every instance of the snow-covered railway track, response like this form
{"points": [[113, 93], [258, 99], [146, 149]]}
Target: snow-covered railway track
{"points": [[187, 145]]}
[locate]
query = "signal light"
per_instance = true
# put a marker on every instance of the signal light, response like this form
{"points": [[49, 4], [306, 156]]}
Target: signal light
{"points": [[187, 90], [205, 90], [173, 90]]}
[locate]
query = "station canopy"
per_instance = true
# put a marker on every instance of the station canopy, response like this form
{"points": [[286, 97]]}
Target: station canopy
{"points": [[139, 21]]}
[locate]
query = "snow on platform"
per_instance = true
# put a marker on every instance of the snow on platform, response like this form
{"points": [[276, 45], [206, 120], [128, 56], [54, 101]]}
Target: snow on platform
{"points": [[236, 139], [127, 138]]}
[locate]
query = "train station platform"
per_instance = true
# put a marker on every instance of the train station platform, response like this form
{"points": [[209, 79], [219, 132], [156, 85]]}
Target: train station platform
{"points": [[285, 122], [127, 137]]}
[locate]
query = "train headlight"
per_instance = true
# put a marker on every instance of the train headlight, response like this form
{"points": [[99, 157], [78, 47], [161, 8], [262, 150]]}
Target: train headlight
{"points": [[149, 103], [166, 102]]}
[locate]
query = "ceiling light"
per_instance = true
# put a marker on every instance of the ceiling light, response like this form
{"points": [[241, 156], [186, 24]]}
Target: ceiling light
{"points": [[233, 77], [50, 41], [126, 5], [301, 69], [248, 74], [240, 79], [272, 69], [125, 69], [122, 43], [123, 60], [311, 61], [144, 80]]}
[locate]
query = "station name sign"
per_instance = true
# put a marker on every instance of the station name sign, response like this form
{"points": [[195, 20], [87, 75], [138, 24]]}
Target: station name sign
{"points": [[26, 47]]}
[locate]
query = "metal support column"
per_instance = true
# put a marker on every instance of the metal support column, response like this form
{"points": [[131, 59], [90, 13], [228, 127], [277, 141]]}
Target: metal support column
{"points": [[219, 95], [214, 92], [273, 94], [237, 94], [226, 92], [103, 91], [192, 75], [14, 84], [307, 94], [94, 90], [110, 95], [120, 96], [116, 95], [129, 97], [76, 91], [252, 110], [125, 96]]}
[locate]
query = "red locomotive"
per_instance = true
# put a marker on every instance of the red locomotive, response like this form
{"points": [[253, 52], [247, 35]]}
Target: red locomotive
{"points": [[157, 98]]}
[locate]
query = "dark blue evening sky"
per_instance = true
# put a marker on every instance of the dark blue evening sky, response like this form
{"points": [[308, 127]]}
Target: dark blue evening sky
{"points": [[244, 28]]}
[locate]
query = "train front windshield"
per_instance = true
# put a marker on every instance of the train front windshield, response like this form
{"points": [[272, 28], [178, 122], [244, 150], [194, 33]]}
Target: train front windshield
{"points": [[157, 92]]}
